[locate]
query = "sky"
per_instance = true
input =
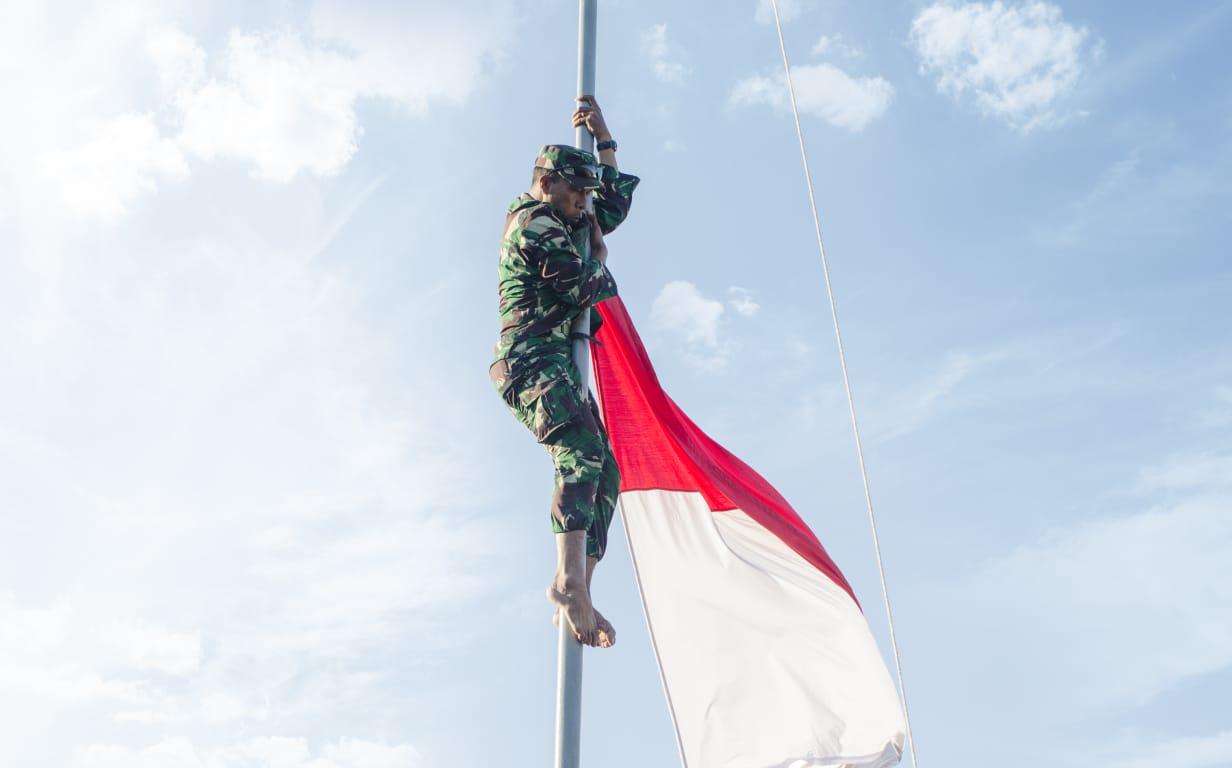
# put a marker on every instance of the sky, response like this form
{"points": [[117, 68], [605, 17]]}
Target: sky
{"points": [[262, 508]]}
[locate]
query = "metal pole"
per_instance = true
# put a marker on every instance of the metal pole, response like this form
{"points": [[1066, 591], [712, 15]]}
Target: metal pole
{"points": [[569, 650], [587, 23]]}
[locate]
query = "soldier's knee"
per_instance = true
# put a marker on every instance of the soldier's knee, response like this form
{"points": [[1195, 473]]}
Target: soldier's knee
{"points": [[580, 452]]}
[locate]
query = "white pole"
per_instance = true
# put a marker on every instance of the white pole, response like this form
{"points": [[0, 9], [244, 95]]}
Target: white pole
{"points": [[569, 650]]}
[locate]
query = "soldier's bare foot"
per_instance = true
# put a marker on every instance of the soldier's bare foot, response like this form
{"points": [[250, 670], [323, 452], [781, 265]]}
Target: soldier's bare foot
{"points": [[575, 604], [606, 632]]}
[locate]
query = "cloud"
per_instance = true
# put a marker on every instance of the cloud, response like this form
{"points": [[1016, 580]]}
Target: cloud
{"points": [[262, 507], [682, 313], [663, 57], [1191, 752], [1167, 195], [178, 61], [681, 309], [170, 753], [1104, 614], [282, 102], [1207, 471], [741, 300], [1017, 61], [1087, 211], [837, 45], [1220, 414], [126, 158], [263, 752], [43, 656], [822, 90], [286, 102], [279, 104], [419, 54], [788, 10], [910, 409], [149, 647]]}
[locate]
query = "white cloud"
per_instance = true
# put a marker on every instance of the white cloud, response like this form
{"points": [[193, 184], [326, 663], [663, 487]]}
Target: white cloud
{"points": [[907, 410], [692, 320], [1220, 414], [681, 309], [281, 105], [1106, 613], [1209, 471], [126, 158], [149, 647], [822, 90], [663, 57], [224, 707], [179, 62], [741, 300], [837, 45], [1150, 185], [1192, 752], [283, 102], [263, 752], [261, 506], [169, 753], [788, 10], [282, 752], [419, 54], [42, 656], [286, 103], [1016, 60]]}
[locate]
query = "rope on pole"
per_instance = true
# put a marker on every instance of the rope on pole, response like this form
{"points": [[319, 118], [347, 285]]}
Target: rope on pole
{"points": [[842, 357]]}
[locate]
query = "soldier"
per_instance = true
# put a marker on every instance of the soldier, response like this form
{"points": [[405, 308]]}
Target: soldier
{"points": [[544, 284]]}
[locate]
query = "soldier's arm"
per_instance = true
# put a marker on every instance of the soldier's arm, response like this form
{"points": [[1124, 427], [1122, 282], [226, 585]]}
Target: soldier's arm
{"points": [[614, 198], [578, 282], [616, 195], [590, 115]]}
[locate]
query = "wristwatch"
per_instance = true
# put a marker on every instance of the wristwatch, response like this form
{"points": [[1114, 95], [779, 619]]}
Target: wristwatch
{"points": [[609, 144]]}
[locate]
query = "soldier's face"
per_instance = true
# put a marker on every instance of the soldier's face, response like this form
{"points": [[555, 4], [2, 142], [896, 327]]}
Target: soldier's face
{"points": [[568, 198]]}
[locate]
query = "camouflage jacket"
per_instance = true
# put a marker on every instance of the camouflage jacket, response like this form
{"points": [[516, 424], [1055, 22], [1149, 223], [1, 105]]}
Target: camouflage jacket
{"points": [[544, 282]]}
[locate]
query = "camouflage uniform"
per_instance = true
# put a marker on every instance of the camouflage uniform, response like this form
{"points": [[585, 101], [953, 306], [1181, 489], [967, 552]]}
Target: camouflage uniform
{"points": [[544, 284]]}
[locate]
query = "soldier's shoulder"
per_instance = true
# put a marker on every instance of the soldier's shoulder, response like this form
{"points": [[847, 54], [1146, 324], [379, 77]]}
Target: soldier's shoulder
{"points": [[541, 223]]}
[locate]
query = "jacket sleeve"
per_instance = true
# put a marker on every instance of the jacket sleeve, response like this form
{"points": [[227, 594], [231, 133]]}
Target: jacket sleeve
{"points": [[578, 282], [614, 197]]}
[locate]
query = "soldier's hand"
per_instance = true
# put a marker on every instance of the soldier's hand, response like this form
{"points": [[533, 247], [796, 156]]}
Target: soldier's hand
{"points": [[592, 117], [598, 248]]}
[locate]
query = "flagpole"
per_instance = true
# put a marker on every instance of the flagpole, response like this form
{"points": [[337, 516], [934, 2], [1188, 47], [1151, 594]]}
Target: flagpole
{"points": [[569, 650]]}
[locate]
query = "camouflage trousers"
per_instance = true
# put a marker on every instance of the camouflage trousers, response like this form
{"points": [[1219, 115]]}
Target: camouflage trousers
{"points": [[547, 400]]}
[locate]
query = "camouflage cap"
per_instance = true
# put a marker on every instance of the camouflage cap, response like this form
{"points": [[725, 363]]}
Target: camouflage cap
{"points": [[576, 166]]}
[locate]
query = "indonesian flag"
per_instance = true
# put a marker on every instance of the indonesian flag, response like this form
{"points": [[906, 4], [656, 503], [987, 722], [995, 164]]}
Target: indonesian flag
{"points": [[766, 658]]}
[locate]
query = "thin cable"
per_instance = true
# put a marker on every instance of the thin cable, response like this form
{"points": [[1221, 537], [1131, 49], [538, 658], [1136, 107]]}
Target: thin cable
{"points": [[842, 358]]}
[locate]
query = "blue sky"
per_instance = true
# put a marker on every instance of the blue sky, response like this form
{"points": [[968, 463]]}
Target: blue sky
{"points": [[262, 508]]}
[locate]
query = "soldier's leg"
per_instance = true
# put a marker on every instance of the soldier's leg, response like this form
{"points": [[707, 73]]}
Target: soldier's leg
{"points": [[577, 453], [596, 534], [606, 490], [573, 504], [587, 484], [569, 434], [549, 403]]}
